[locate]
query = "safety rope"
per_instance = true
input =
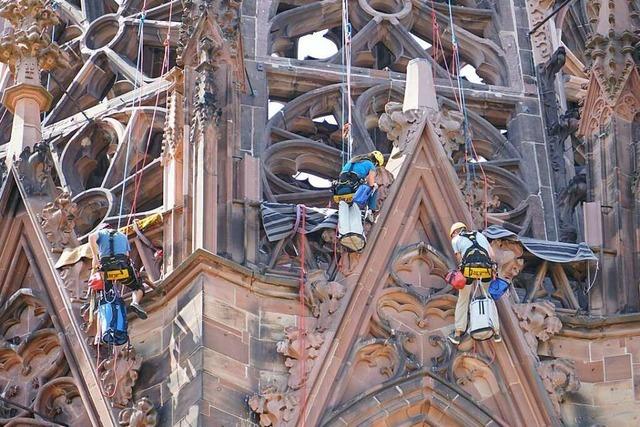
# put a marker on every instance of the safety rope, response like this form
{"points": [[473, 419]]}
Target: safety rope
{"points": [[470, 151], [164, 68], [137, 85], [302, 210], [346, 33]]}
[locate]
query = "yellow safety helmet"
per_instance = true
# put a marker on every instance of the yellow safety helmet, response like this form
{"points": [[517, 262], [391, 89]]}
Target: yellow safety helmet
{"points": [[379, 157], [455, 227]]}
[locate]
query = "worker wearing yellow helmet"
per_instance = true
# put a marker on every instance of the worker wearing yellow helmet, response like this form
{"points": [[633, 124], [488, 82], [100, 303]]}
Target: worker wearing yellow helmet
{"points": [[362, 169], [471, 248]]}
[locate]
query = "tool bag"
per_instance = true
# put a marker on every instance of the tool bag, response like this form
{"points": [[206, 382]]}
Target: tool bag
{"points": [[345, 186], [497, 288], [483, 316], [350, 229], [476, 262], [361, 196], [112, 315], [456, 279], [96, 281]]}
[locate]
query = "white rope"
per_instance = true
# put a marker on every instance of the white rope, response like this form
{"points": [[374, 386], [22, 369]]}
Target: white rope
{"points": [[346, 28], [137, 85]]}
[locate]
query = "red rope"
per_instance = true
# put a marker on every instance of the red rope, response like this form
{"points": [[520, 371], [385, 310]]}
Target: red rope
{"points": [[302, 335]]}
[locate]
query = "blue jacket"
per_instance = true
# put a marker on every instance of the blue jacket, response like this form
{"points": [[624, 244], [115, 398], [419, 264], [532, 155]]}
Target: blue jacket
{"points": [[361, 168]]}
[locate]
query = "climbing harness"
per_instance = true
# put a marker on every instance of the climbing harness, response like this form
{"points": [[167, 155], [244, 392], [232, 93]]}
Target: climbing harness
{"points": [[476, 262]]}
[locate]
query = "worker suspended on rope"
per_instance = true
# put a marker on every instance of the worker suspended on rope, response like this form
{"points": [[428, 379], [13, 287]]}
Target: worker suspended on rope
{"points": [[357, 173], [355, 189], [474, 257], [110, 250]]}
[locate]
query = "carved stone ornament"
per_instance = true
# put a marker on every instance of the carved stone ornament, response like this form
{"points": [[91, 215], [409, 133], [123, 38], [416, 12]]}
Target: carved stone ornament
{"points": [[119, 374], [559, 378], [541, 40], [323, 297], [538, 321], [449, 126], [142, 414], [31, 364], [58, 221], [34, 169], [400, 127], [29, 18], [301, 348], [274, 408], [508, 255]]}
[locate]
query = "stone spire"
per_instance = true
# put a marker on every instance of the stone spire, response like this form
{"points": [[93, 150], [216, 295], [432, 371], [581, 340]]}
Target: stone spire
{"points": [[614, 84], [27, 50]]}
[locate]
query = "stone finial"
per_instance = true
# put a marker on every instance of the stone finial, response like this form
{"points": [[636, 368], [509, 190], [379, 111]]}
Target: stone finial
{"points": [[28, 43], [538, 321], [559, 378], [58, 221], [142, 414]]}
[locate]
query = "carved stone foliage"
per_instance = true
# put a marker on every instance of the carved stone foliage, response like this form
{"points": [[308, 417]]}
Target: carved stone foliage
{"points": [[401, 127], [449, 126], [34, 169], [58, 222], [173, 127], [323, 297], [274, 408], [559, 378], [225, 12], [276, 405], [32, 362], [29, 19], [541, 39], [538, 321], [118, 375], [301, 349], [142, 414]]}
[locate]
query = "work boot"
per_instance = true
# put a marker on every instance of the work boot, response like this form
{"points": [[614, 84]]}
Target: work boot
{"points": [[138, 310], [497, 337], [455, 339]]}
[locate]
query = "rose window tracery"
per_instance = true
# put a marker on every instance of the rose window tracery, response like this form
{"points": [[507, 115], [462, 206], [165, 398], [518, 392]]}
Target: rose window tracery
{"points": [[108, 113]]}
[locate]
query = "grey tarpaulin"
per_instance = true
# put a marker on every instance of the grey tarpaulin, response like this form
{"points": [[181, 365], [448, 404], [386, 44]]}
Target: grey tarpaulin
{"points": [[559, 252], [280, 220]]}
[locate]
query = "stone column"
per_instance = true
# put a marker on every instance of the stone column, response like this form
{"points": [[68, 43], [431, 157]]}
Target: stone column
{"points": [[27, 50]]}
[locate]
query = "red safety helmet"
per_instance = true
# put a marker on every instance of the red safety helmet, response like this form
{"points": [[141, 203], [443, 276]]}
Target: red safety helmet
{"points": [[456, 279]]}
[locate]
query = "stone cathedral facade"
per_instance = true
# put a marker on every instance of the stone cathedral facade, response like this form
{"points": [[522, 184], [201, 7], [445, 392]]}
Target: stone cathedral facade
{"points": [[153, 115]]}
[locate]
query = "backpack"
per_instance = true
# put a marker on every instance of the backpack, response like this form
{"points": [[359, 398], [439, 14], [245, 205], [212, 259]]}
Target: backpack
{"points": [[476, 262], [118, 268], [346, 184]]}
